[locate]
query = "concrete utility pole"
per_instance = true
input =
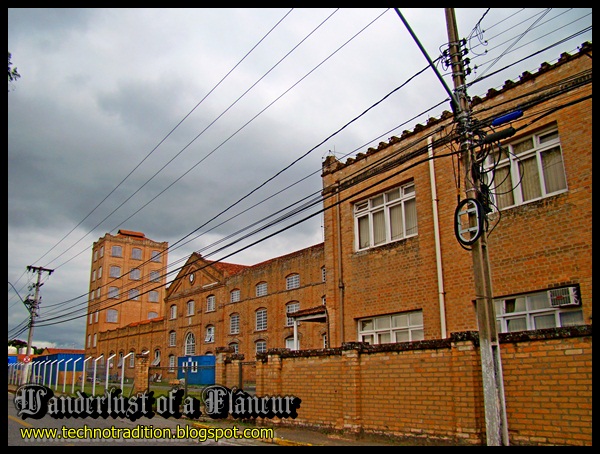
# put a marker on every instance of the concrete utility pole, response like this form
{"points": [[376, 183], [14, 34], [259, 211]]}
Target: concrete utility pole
{"points": [[491, 366], [32, 314]]}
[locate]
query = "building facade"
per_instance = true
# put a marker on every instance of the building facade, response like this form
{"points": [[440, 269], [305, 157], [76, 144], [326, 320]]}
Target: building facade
{"points": [[127, 284], [392, 267]]}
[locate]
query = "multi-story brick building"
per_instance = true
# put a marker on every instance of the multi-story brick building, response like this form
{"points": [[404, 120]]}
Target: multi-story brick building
{"points": [[127, 284], [395, 270]]}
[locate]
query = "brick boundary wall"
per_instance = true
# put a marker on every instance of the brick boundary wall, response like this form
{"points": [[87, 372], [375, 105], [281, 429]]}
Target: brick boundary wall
{"points": [[433, 389]]}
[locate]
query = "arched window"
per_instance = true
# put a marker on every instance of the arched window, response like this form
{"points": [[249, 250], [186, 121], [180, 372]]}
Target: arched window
{"points": [[190, 344], [190, 307], [261, 319], [234, 324]]}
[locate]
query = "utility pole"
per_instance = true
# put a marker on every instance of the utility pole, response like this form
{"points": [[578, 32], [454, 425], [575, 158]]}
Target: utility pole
{"points": [[33, 307], [489, 348]]}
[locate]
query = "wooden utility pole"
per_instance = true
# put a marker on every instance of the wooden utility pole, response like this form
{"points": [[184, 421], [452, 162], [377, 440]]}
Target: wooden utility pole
{"points": [[32, 314], [489, 348]]}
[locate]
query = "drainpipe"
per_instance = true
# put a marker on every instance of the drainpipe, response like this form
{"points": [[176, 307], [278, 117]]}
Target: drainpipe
{"points": [[339, 264], [436, 230]]}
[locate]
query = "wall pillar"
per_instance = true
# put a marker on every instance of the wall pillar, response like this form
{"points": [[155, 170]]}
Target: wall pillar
{"points": [[141, 381], [351, 394]]}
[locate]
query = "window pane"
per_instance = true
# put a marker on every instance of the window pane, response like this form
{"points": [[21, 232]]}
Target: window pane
{"points": [[539, 301], [416, 318], [368, 339], [382, 322], [544, 321], [530, 180], [385, 338], [366, 325], [554, 173], [516, 324], [520, 147], [410, 213], [378, 227], [363, 232], [396, 227], [400, 321], [402, 336], [503, 187], [376, 201], [571, 318], [393, 195], [514, 305]]}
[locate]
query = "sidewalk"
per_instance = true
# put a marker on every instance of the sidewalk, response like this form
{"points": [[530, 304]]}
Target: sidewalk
{"points": [[300, 436]]}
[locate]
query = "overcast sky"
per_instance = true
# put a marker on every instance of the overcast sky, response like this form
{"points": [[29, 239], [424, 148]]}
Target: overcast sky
{"points": [[194, 125]]}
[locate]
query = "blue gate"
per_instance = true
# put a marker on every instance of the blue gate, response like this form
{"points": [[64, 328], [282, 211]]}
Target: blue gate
{"points": [[196, 370]]}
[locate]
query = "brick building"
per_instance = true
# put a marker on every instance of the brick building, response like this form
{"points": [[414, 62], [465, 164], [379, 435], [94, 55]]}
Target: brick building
{"points": [[398, 271], [127, 284], [391, 273]]}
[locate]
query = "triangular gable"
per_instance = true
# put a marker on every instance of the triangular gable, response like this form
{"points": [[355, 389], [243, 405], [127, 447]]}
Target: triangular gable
{"points": [[204, 270]]}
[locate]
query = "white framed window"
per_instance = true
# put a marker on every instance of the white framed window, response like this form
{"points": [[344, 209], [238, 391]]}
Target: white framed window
{"points": [[261, 346], [234, 324], [136, 253], [525, 170], [116, 251], [91, 318], [153, 296], [387, 217], [173, 312], [261, 289], [553, 308], [189, 308], [292, 281], [96, 316], [385, 329], [135, 274], [190, 344], [234, 296], [172, 363], [113, 292], [261, 319], [112, 316], [93, 275], [210, 303], [156, 360], [291, 307], [131, 359], [172, 338], [235, 346], [289, 343], [114, 271], [209, 334]]}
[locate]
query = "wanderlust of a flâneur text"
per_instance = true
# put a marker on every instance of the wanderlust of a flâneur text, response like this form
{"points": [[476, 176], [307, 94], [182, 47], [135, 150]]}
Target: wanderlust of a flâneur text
{"points": [[218, 402]]}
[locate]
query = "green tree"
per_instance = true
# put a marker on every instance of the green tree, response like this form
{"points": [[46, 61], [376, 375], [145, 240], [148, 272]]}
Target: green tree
{"points": [[13, 74]]}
